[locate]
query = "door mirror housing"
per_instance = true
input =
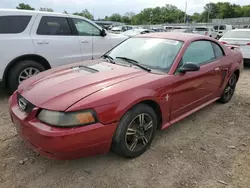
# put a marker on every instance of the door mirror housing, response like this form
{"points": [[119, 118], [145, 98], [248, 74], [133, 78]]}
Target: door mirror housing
{"points": [[189, 67], [103, 32]]}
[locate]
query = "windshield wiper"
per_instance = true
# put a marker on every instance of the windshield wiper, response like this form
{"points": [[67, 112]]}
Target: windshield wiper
{"points": [[109, 58], [135, 63]]}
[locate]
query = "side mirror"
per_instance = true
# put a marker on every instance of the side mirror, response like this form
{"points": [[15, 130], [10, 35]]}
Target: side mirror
{"points": [[189, 67], [103, 33]]}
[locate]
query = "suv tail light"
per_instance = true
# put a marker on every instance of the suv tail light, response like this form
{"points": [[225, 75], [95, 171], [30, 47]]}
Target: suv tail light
{"points": [[248, 44], [206, 33]]}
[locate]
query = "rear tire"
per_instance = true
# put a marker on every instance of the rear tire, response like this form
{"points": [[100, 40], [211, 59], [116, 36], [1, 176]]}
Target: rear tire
{"points": [[132, 138], [17, 74], [229, 89]]}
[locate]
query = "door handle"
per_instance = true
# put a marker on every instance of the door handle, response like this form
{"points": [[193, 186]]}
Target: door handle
{"points": [[217, 69], [43, 42], [84, 41]]}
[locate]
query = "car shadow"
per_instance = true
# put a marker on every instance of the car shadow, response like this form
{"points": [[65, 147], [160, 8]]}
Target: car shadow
{"points": [[4, 93], [247, 65]]}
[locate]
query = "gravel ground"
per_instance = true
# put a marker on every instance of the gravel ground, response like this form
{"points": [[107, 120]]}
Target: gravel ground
{"points": [[209, 149]]}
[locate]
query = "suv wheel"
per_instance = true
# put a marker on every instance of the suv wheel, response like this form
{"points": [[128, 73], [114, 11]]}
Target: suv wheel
{"points": [[22, 71]]}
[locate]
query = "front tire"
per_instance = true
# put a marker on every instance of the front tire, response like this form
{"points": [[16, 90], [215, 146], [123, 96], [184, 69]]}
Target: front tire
{"points": [[229, 89], [135, 131], [22, 71]]}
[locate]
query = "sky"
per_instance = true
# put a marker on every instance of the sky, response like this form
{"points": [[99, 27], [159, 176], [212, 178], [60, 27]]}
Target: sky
{"points": [[101, 8]]}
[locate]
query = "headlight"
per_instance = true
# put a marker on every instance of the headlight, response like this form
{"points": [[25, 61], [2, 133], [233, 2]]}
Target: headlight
{"points": [[67, 119]]}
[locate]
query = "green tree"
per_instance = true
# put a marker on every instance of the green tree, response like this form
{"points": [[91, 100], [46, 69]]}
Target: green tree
{"points": [[46, 9], [24, 6], [85, 13], [246, 11], [115, 17], [197, 17], [129, 14], [225, 10], [237, 10], [126, 19]]}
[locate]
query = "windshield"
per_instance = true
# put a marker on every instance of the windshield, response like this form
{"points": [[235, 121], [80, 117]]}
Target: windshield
{"points": [[153, 53], [237, 34]]}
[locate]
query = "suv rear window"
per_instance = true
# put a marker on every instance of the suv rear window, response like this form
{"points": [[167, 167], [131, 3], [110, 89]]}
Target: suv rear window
{"points": [[50, 25], [201, 29], [222, 27], [13, 24]]}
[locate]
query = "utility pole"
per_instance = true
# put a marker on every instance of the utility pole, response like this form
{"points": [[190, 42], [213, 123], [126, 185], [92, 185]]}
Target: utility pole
{"points": [[185, 17], [208, 15], [151, 15], [208, 12]]}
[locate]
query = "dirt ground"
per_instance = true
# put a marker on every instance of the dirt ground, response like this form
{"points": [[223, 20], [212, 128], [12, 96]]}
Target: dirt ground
{"points": [[209, 149]]}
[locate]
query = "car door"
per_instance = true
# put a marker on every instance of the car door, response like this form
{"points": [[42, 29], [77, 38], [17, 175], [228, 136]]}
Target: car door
{"points": [[192, 89], [53, 39], [93, 44]]}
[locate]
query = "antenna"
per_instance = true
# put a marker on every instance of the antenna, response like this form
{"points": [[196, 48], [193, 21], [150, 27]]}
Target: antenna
{"points": [[93, 36]]}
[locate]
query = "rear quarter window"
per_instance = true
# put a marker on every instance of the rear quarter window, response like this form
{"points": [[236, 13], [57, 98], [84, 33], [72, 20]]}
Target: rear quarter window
{"points": [[13, 24], [218, 52], [50, 25]]}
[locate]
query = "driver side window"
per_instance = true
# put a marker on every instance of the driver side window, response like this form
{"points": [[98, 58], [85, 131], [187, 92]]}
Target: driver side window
{"points": [[199, 52], [85, 29]]}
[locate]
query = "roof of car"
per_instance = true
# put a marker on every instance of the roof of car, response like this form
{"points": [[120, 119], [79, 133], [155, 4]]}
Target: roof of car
{"points": [[174, 36], [240, 29], [29, 11]]}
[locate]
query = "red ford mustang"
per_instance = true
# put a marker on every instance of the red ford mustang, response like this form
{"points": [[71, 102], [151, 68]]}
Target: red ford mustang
{"points": [[147, 82]]}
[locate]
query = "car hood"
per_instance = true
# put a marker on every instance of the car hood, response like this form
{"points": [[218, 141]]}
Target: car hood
{"points": [[59, 89]]}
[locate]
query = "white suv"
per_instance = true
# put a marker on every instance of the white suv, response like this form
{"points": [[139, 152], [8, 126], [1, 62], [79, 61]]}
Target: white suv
{"points": [[33, 41]]}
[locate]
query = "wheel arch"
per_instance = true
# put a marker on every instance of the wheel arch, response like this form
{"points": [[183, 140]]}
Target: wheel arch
{"points": [[156, 107], [237, 72], [33, 57], [151, 103]]}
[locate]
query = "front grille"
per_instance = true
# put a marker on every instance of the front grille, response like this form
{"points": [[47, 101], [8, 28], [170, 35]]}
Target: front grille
{"points": [[24, 105]]}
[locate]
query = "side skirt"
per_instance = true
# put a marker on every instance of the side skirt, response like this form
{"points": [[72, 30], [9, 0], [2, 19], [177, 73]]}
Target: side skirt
{"points": [[168, 124]]}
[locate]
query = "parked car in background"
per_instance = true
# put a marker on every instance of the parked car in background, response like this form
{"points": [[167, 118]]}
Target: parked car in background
{"points": [[146, 83], [222, 29], [239, 38], [201, 30], [208, 31], [212, 33], [134, 32], [158, 30], [246, 26], [33, 41], [124, 28], [116, 30], [182, 30], [168, 28]]}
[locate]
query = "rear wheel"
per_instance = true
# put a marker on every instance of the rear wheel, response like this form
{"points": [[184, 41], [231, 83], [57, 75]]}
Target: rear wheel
{"points": [[22, 71], [229, 90], [135, 131]]}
